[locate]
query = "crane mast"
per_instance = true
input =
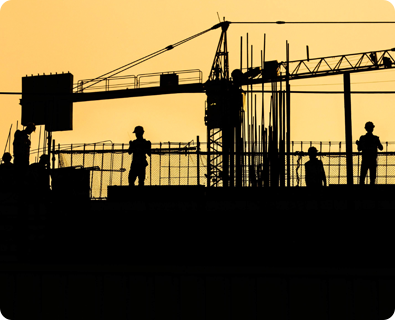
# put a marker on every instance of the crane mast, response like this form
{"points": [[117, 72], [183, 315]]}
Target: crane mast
{"points": [[224, 114]]}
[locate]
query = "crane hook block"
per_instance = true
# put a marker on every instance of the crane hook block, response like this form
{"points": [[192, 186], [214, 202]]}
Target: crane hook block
{"points": [[280, 22], [169, 47]]}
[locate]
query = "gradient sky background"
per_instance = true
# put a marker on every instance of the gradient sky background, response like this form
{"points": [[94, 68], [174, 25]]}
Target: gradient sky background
{"points": [[89, 38]]}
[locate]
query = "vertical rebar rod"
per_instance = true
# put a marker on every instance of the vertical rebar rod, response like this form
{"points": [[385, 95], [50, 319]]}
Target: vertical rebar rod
{"points": [[301, 167], [179, 165], [160, 163], [101, 173], [252, 112], [198, 159], [39, 140], [83, 157], [348, 127], [288, 131], [263, 84], [71, 155], [248, 111], [241, 53], [121, 173], [93, 164], [111, 164], [340, 150], [255, 125], [45, 142], [188, 169], [386, 161], [53, 161], [150, 170], [329, 166], [169, 180], [58, 155], [293, 166]]}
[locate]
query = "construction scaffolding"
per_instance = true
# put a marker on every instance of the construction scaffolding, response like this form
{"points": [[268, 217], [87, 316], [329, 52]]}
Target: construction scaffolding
{"points": [[185, 164]]}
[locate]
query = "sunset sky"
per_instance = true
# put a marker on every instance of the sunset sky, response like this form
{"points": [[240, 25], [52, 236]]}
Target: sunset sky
{"points": [[89, 38]]}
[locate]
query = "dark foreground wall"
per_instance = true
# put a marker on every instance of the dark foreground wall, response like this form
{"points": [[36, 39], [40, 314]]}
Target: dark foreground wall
{"points": [[195, 253], [118, 292]]}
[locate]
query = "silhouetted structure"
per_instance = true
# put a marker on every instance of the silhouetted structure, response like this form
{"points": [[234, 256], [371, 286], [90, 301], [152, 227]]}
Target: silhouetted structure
{"points": [[22, 145], [368, 144], [315, 173], [140, 148]]}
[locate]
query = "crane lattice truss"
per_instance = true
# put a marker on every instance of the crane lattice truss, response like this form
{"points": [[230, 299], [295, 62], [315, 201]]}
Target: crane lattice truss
{"points": [[221, 166], [331, 65]]}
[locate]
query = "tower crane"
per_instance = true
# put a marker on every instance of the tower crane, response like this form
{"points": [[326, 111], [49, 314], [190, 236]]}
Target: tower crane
{"points": [[225, 95]]}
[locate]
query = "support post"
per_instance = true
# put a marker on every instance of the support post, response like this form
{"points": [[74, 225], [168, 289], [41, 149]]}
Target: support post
{"points": [[198, 159], [348, 126], [288, 119]]}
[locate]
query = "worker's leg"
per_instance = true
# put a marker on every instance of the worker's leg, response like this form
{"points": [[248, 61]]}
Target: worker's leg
{"points": [[132, 175], [364, 170], [373, 170], [141, 176]]}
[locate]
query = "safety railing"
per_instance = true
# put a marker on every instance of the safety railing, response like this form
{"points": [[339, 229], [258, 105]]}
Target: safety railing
{"points": [[185, 163]]}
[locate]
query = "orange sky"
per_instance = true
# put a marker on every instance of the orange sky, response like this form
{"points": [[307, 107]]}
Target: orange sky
{"points": [[89, 38]]}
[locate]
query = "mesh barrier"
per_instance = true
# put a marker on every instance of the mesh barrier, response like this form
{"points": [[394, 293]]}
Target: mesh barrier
{"points": [[183, 164], [169, 164]]}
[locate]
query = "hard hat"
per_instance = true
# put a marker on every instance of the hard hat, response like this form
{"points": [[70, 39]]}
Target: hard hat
{"points": [[312, 150], [31, 126], [369, 124], [138, 129]]}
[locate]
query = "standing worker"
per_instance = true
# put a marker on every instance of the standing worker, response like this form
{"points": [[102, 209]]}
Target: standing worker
{"points": [[368, 144], [140, 148], [22, 146], [7, 181], [315, 173]]}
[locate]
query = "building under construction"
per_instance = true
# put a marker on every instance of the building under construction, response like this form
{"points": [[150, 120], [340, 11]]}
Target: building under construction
{"points": [[224, 227]]}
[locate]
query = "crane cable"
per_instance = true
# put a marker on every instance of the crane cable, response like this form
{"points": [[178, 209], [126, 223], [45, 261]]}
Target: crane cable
{"points": [[310, 22], [145, 58]]}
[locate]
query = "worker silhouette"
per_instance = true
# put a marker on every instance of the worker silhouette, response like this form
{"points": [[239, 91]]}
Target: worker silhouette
{"points": [[368, 144], [139, 148], [22, 145], [39, 176], [7, 157], [315, 173], [7, 180]]}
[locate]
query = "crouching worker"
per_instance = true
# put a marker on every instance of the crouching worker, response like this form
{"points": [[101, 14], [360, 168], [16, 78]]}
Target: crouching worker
{"points": [[39, 177], [315, 173], [139, 148]]}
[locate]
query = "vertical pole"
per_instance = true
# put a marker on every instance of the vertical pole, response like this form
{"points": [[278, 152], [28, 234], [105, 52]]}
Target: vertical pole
{"points": [[83, 157], [198, 160], [288, 119], [348, 125], [169, 181], [160, 163], [93, 164], [53, 154], [121, 173], [49, 148], [179, 164], [71, 155]]}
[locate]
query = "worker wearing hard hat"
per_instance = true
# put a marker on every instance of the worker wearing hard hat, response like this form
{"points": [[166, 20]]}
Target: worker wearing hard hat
{"points": [[368, 144], [315, 173], [22, 145], [139, 148], [7, 181]]}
